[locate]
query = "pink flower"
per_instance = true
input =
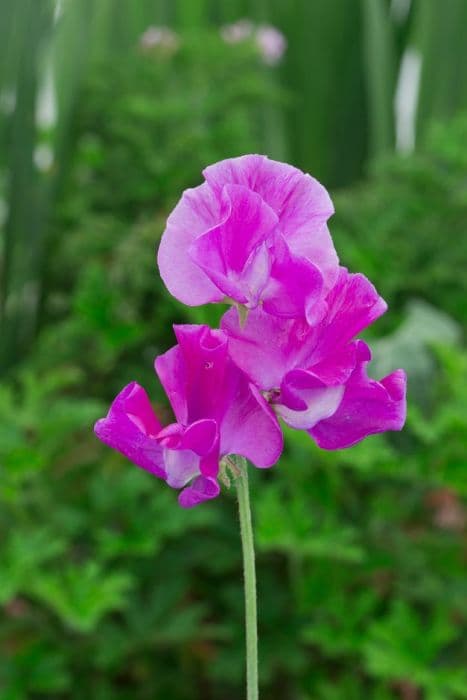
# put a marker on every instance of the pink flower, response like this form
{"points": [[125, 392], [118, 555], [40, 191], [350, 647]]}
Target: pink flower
{"points": [[159, 37], [237, 32], [217, 410], [315, 375], [253, 233], [271, 43]]}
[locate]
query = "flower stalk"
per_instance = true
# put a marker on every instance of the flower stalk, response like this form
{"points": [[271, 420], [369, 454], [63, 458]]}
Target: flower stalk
{"points": [[249, 575]]}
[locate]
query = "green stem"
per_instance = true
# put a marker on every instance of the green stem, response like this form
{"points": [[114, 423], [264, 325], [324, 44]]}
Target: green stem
{"points": [[249, 574]]}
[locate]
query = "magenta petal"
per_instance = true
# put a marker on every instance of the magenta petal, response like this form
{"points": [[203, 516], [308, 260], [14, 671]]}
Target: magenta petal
{"points": [[248, 222], [353, 304], [201, 489], [224, 251], [197, 211], [305, 399], [171, 371], [221, 238], [301, 203], [337, 367], [367, 407], [266, 346], [244, 170], [312, 241], [295, 285], [250, 428], [199, 437], [193, 373], [131, 428], [296, 197]]}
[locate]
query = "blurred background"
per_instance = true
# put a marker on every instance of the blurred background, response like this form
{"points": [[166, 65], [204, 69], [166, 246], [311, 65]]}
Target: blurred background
{"points": [[108, 110]]}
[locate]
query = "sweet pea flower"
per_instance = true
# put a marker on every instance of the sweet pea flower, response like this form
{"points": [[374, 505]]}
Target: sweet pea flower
{"points": [[315, 375], [237, 32], [159, 38], [255, 234], [271, 43], [218, 412]]}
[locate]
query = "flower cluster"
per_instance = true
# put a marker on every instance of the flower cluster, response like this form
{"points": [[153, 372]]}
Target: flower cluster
{"points": [[270, 42], [255, 235]]}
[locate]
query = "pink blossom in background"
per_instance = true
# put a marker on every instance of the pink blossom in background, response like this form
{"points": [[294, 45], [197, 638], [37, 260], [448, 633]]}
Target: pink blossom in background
{"points": [[272, 44], [217, 411], [255, 233], [237, 32], [159, 37], [315, 375]]}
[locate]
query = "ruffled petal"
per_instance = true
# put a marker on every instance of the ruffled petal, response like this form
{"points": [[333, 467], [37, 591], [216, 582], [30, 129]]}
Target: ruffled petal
{"points": [[228, 252], [131, 427], [367, 407], [267, 347], [197, 212], [353, 304], [302, 204], [295, 196]]}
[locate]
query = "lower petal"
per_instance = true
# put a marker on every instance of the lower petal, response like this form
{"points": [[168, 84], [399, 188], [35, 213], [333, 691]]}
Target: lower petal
{"points": [[130, 427], [305, 400], [200, 490], [367, 407]]}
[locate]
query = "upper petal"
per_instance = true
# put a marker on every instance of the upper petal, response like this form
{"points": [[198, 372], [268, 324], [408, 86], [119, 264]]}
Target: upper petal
{"points": [[296, 197], [247, 222], [198, 211], [302, 204], [367, 407], [193, 373], [131, 428], [224, 251]]}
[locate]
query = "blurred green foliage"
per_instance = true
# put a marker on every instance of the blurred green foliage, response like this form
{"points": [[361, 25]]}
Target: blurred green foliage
{"points": [[109, 590], [415, 211]]}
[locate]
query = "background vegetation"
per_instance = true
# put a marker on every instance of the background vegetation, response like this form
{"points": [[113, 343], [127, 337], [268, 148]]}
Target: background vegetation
{"points": [[108, 590]]}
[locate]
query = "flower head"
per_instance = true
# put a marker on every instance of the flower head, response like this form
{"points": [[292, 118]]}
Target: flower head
{"points": [[271, 43], [315, 375], [237, 32], [159, 37], [217, 410], [254, 233]]}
